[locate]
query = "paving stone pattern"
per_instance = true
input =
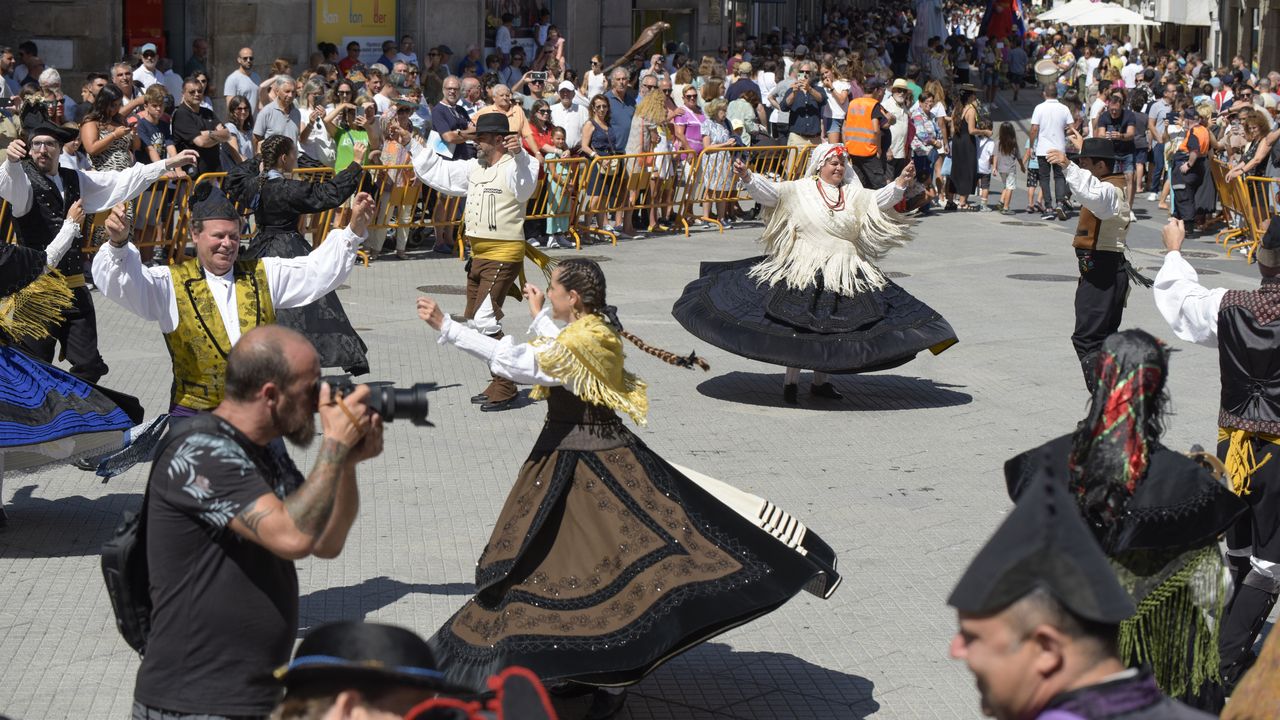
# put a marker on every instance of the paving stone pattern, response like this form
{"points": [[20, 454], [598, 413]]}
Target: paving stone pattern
{"points": [[902, 478]]}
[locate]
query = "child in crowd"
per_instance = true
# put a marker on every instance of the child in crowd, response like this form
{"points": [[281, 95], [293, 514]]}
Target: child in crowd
{"points": [[1006, 162], [1035, 198], [557, 175], [986, 153]]}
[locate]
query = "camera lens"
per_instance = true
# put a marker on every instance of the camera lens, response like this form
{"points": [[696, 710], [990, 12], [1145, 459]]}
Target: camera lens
{"points": [[389, 401], [409, 403]]}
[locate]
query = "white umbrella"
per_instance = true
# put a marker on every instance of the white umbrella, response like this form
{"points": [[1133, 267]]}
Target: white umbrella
{"points": [[1108, 14], [1062, 12]]}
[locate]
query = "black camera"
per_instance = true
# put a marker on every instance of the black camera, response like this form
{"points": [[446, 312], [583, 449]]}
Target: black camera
{"points": [[388, 400]]}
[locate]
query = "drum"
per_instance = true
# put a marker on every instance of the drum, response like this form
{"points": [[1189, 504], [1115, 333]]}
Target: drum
{"points": [[1047, 72]]}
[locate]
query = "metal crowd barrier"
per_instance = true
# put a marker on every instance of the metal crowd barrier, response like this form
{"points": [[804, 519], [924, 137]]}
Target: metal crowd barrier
{"points": [[559, 195], [570, 192], [626, 183], [1258, 201], [713, 180]]}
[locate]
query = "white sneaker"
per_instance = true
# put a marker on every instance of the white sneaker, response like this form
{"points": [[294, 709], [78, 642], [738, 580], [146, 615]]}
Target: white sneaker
{"points": [[558, 242], [1152, 197], [535, 241], [1132, 217]]}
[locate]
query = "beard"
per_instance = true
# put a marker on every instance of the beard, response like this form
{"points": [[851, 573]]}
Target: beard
{"points": [[297, 425], [301, 436], [483, 159]]}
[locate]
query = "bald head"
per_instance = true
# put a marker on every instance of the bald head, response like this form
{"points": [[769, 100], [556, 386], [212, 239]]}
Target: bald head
{"points": [[269, 355]]}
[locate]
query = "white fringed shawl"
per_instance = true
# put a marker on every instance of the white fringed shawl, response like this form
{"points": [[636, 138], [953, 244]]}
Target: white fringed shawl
{"points": [[803, 238]]}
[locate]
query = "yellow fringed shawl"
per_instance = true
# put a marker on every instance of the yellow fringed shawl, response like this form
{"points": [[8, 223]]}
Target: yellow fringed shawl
{"points": [[587, 357], [34, 309]]}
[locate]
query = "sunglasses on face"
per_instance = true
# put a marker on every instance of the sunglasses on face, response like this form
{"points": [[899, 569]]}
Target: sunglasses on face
{"points": [[650, 87], [667, 91], [249, 58]]}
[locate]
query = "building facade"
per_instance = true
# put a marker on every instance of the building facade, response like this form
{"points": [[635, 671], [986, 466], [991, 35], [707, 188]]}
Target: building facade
{"points": [[80, 36]]}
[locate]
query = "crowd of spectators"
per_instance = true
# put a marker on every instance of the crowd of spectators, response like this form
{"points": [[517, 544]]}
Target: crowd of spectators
{"points": [[781, 87]]}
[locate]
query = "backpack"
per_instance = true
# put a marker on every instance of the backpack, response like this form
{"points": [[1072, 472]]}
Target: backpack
{"points": [[124, 556], [124, 569]]}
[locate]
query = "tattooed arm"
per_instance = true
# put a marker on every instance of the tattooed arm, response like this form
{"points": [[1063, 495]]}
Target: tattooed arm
{"points": [[315, 518], [347, 502]]}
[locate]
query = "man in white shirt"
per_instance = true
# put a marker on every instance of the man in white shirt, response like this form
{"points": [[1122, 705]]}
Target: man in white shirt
{"points": [[41, 193], [1049, 123], [146, 72], [497, 184], [243, 81], [406, 54], [896, 104], [199, 340], [502, 39], [1131, 71], [569, 115], [1100, 248], [1244, 326]]}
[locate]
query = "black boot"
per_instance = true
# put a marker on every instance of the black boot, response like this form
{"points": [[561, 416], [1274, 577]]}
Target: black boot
{"points": [[1239, 566], [605, 704], [790, 393], [826, 390], [1244, 620]]}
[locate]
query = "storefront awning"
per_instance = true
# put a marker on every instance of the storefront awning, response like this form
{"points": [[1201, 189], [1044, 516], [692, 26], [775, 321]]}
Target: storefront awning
{"points": [[1184, 12]]}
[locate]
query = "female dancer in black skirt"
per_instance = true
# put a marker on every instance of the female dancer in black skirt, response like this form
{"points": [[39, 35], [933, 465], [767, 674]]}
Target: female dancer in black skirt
{"points": [[816, 300], [278, 202], [606, 560]]}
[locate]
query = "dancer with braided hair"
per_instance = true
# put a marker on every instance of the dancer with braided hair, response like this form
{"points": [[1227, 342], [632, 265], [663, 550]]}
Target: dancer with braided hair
{"points": [[816, 299], [277, 202], [1156, 513], [606, 560]]}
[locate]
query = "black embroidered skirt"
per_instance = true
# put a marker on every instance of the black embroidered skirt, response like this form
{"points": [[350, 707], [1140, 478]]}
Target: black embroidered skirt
{"points": [[324, 321], [811, 328], [607, 561]]}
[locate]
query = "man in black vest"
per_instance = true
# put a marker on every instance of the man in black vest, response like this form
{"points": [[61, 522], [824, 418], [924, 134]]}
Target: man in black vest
{"points": [[1100, 246], [40, 194], [1245, 326]]}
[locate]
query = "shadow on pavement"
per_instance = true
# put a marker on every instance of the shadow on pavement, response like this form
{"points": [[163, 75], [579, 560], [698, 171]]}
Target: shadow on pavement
{"points": [[63, 527], [355, 602], [861, 392], [715, 681]]}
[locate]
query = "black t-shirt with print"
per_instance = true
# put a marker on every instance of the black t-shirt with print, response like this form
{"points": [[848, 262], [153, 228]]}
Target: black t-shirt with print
{"points": [[225, 609], [1119, 125]]}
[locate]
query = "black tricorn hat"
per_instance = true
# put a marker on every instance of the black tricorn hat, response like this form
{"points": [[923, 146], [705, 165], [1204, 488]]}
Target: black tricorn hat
{"points": [[1098, 149], [494, 122], [1043, 543], [35, 121], [207, 202], [347, 651]]}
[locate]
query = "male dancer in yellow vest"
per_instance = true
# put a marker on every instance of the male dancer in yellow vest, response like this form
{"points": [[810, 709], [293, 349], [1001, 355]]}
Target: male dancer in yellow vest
{"points": [[204, 305], [1100, 247], [497, 184]]}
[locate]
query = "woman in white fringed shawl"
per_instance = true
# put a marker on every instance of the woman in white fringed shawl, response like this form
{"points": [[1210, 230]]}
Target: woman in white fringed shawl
{"points": [[816, 299]]}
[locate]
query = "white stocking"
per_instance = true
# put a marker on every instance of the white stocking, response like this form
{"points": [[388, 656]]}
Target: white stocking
{"points": [[820, 378], [792, 376]]}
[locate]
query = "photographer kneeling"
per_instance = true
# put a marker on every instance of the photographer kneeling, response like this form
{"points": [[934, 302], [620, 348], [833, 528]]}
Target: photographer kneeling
{"points": [[228, 512]]}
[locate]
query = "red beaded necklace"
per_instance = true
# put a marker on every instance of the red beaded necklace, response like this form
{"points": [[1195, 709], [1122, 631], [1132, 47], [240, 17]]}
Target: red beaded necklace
{"points": [[832, 206]]}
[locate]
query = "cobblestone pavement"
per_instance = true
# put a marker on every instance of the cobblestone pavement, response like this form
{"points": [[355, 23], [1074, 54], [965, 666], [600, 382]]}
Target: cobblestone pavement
{"points": [[902, 478]]}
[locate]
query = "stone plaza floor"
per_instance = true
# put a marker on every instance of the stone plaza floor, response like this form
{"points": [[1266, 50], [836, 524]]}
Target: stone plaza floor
{"points": [[903, 477]]}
